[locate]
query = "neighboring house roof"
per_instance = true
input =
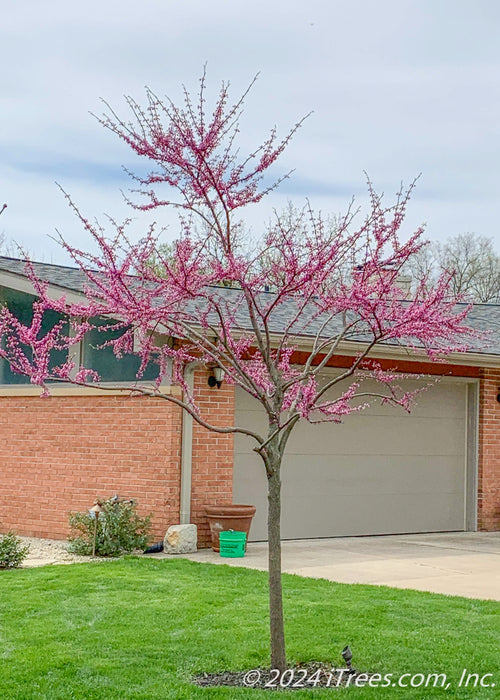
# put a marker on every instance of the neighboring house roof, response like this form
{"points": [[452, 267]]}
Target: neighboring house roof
{"points": [[482, 317]]}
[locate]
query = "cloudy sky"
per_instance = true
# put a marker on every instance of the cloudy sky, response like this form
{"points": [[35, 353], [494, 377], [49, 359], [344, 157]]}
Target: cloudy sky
{"points": [[397, 88]]}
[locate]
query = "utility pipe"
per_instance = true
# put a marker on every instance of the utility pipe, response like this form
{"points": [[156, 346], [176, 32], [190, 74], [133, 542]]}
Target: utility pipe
{"points": [[187, 451]]}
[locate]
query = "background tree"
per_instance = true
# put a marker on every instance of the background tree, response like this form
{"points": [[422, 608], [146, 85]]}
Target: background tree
{"points": [[2, 235], [210, 298], [472, 260], [7, 246], [475, 264]]}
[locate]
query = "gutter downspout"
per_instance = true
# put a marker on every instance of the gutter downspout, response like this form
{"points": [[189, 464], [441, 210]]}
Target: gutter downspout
{"points": [[187, 452]]}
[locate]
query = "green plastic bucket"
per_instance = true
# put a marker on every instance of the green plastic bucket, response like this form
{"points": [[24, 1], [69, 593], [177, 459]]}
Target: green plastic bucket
{"points": [[232, 543]]}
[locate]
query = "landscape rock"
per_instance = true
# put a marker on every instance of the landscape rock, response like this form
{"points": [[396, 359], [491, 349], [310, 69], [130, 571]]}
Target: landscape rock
{"points": [[180, 539]]}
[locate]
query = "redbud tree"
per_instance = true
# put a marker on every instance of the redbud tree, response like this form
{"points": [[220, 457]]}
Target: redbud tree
{"points": [[218, 301]]}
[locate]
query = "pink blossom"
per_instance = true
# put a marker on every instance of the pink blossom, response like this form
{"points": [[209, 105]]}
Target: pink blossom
{"points": [[309, 285]]}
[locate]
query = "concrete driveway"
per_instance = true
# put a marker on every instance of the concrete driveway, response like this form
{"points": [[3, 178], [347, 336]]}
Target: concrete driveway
{"points": [[462, 564]]}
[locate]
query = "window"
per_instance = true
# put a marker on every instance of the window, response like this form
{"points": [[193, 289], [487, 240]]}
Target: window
{"points": [[21, 305], [104, 361]]}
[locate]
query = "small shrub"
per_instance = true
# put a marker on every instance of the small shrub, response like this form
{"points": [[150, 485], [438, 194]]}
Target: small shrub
{"points": [[12, 551], [119, 529]]}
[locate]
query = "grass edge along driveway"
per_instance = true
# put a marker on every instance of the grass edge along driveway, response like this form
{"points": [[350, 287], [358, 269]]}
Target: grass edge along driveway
{"points": [[140, 628]]}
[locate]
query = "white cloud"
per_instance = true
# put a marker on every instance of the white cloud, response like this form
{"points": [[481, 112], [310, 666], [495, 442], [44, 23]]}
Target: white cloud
{"points": [[397, 88]]}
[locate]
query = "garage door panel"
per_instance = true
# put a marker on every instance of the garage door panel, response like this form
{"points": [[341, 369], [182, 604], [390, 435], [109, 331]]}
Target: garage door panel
{"points": [[242, 443], [382, 471], [382, 475], [245, 417], [451, 397], [368, 434], [406, 514], [450, 404], [353, 500], [250, 486]]}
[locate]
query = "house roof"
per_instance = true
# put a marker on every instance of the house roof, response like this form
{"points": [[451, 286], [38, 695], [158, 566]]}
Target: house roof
{"points": [[69, 278], [482, 317]]}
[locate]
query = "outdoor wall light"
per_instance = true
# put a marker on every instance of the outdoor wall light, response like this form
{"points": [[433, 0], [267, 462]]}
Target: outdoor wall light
{"points": [[216, 377], [498, 395]]}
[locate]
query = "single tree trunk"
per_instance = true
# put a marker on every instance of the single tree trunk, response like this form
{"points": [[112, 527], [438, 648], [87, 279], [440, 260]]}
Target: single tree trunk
{"points": [[278, 655]]}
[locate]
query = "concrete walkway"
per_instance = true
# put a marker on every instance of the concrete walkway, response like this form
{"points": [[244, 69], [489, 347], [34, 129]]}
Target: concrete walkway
{"points": [[462, 564]]}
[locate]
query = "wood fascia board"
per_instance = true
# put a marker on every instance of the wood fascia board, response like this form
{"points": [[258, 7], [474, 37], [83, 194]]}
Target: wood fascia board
{"points": [[23, 284], [399, 353]]}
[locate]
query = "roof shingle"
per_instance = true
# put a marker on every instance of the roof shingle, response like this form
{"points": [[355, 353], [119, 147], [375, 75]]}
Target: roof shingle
{"points": [[482, 317]]}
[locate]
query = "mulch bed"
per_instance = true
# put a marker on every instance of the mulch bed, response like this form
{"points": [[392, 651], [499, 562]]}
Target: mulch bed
{"points": [[311, 675]]}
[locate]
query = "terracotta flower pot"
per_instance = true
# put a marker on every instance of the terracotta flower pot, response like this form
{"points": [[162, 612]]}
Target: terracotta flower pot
{"points": [[231, 517]]}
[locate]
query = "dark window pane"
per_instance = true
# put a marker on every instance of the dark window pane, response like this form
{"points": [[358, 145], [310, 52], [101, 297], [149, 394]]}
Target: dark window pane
{"points": [[21, 305], [104, 361]]}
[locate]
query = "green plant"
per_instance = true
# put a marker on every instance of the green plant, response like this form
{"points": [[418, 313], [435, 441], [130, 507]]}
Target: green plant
{"points": [[116, 529], [12, 551]]}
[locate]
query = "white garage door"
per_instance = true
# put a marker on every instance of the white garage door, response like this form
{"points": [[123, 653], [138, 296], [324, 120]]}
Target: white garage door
{"points": [[382, 471]]}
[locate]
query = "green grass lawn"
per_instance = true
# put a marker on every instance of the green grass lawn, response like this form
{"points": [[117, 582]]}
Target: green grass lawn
{"points": [[140, 628]]}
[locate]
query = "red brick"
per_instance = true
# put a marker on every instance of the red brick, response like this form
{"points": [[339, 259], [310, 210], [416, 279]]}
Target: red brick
{"points": [[489, 452]]}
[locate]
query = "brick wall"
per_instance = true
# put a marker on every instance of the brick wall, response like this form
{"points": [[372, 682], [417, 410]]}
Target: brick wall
{"points": [[489, 452], [212, 477], [59, 454]]}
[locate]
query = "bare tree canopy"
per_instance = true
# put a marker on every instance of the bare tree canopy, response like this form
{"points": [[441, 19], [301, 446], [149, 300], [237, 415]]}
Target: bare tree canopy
{"points": [[472, 260]]}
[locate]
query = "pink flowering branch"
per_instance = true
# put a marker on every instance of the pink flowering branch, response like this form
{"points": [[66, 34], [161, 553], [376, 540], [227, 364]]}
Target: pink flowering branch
{"points": [[196, 155], [310, 286]]}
